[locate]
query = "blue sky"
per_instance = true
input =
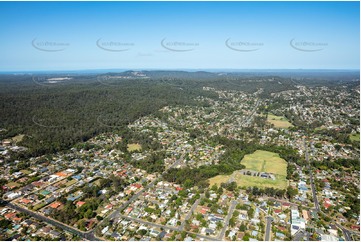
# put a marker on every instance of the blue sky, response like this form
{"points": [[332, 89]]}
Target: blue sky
{"points": [[261, 35]]}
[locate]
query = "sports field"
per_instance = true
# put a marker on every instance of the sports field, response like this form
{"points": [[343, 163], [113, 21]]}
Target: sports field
{"points": [[265, 161], [261, 161], [278, 121]]}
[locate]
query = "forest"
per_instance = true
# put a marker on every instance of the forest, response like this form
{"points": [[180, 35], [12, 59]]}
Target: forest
{"points": [[54, 118], [56, 115]]}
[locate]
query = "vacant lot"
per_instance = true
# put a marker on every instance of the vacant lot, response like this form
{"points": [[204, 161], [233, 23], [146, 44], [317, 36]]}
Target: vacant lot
{"points": [[134, 147], [278, 121], [262, 161]]}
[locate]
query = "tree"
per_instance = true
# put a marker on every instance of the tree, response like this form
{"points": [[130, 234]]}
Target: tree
{"points": [[220, 191], [242, 227], [4, 224], [81, 224], [246, 237], [207, 194], [88, 214], [291, 193], [213, 188], [250, 212], [232, 222], [199, 216], [219, 225]]}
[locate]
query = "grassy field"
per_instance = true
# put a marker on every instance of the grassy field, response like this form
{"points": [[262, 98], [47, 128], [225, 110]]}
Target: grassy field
{"points": [[71, 182], [219, 179], [278, 121], [26, 172], [250, 181], [134, 147], [18, 138], [355, 137], [265, 161], [262, 161], [13, 184]]}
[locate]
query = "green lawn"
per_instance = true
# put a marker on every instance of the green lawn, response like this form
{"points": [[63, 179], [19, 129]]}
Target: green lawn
{"points": [[38, 206], [278, 121], [355, 137]]}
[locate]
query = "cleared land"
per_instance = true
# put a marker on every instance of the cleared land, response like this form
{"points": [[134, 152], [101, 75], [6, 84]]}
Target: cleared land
{"points": [[278, 121], [261, 161], [355, 137], [134, 147]]}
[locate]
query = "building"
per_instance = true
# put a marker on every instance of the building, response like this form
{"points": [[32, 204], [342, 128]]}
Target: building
{"points": [[297, 222]]}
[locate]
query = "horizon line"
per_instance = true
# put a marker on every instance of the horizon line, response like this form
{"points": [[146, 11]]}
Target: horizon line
{"points": [[181, 69]]}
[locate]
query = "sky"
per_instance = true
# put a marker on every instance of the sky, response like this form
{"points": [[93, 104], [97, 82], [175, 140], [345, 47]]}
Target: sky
{"points": [[38, 36]]}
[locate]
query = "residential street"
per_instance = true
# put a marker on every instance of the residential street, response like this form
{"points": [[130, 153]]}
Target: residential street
{"points": [[314, 192], [226, 221], [269, 220], [116, 212], [85, 235]]}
